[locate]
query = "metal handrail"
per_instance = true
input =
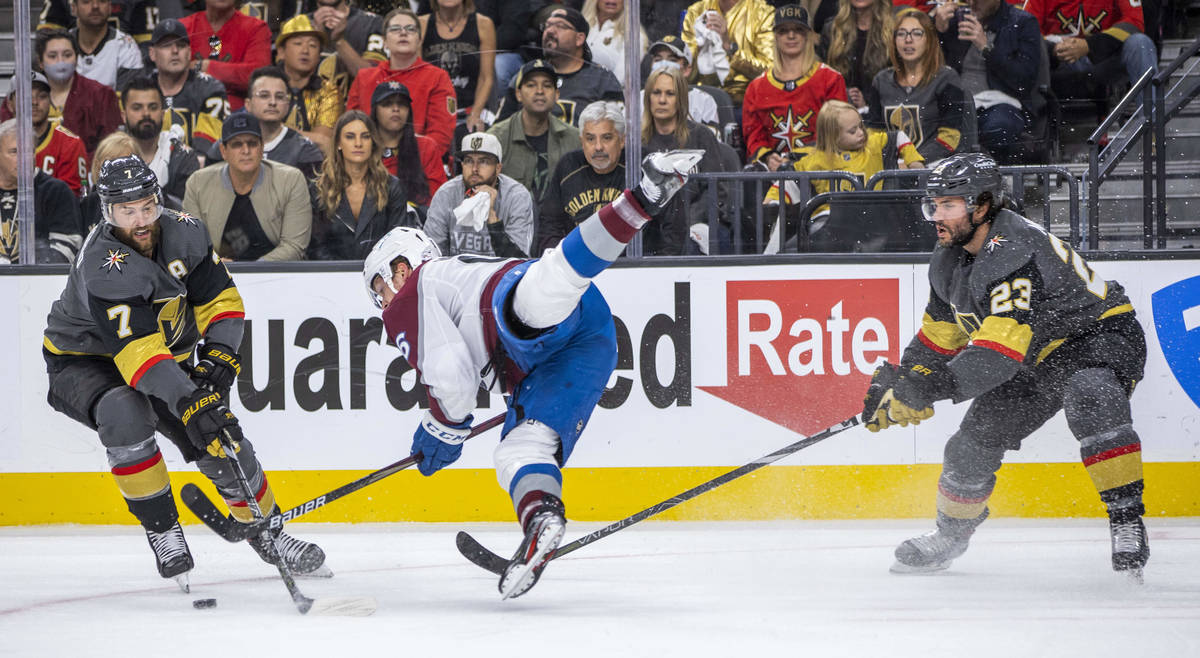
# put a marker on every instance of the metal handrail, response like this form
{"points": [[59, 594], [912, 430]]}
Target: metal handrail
{"points": [[1115, 151], [759, 178], [1164, 109], [1018, 174]]}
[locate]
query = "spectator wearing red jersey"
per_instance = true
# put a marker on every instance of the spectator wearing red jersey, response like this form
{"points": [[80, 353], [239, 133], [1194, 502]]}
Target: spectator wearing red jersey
{"points": [[391, 107], [779, 114], [228, 45], [59, 152], [1093, 41], [85, 107], [434, 102]]}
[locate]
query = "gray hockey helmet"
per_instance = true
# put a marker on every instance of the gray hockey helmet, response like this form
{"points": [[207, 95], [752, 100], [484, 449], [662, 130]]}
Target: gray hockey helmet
{"points": [[967, 175], [126, 179]]}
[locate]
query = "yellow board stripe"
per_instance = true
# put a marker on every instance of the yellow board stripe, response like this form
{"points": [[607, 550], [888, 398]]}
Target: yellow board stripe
{"points": [[607, 494], [229, 301]]}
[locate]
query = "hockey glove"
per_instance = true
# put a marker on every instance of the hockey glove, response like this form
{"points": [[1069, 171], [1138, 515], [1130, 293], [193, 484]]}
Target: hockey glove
{"points": [[439, 444], [206, 418], [663, 174], [217, 366], [900, 397]]}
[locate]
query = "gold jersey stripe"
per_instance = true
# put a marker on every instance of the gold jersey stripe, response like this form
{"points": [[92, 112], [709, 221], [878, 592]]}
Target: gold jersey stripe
{"points": [[959, 510], [946, 335], [1005, 335], [145, 483], [228, 302], [138, 355]]}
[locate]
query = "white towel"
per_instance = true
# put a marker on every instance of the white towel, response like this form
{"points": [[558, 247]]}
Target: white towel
{"points": [[473, 211], [162, 157], [710, 52]]}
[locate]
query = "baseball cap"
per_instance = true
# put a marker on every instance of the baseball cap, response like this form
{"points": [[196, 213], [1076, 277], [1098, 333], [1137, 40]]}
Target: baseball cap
{"points": [[296, 26], [240, 123], [386, 90], [168, 27], [573, 17], [480, 143], [792, 14], [10, 85], [534, 66], [674, 44]]}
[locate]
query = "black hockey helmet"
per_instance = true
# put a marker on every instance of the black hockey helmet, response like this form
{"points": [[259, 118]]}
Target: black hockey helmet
{"points": [[126, 179], [967, 175]]}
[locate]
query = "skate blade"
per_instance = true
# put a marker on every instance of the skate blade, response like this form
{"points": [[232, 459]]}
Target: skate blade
{"points": [[1133, 577], [184, 584], [901, 568], [522, 577], [363, 606], [322, 571]]}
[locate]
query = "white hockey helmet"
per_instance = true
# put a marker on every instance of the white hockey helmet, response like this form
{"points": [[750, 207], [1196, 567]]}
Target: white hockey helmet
{"points": [[410, 243]]}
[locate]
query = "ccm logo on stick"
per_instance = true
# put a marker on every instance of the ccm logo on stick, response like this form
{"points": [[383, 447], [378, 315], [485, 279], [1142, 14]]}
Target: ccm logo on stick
{"points": [[801, 353]]}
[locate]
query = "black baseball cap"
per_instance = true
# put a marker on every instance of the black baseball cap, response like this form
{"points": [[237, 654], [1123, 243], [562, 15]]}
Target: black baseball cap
{"points": [[794, 14], [168, 27], [386, 90], [240, 123], [573, 17], [534, 66], [674, 44]]}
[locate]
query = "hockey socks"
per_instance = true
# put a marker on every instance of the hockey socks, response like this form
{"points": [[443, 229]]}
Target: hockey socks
{"points": [[599, 240]]}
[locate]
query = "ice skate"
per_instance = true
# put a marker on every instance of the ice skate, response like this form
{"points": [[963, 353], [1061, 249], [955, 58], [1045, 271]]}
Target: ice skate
{"points": [[301, 557], [1130, 545], [172, 555], [932, 551], [542, 536]]}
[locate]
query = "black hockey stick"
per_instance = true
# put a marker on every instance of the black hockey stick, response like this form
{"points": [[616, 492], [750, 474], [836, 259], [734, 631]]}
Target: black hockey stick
{"points": [[481, 556], [358, 607], [234, 531]]}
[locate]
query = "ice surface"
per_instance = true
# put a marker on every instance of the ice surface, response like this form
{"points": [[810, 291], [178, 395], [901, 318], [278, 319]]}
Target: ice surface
{"points": [[1025, 588]]}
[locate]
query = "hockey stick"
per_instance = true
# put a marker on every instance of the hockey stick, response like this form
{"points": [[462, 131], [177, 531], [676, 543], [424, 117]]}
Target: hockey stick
{"points": [[234, 531], [357, 607], [481, 556]]}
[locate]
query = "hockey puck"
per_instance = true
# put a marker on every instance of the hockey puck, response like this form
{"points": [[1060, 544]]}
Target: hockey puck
{"points": [[200, 604]]}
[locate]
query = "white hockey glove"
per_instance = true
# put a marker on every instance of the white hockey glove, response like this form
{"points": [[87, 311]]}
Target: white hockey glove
{"points": [[663, 174]]}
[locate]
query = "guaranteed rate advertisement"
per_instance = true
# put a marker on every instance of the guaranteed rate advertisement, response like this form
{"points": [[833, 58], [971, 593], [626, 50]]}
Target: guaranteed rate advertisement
{"points": [[716, 366]]}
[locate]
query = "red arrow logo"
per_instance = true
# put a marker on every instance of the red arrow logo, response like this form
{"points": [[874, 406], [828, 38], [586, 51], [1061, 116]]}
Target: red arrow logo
{"points": [[801, 353]]}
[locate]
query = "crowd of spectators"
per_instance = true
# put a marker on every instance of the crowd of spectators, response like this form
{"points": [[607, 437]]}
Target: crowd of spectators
{"points": [[497, 125]]}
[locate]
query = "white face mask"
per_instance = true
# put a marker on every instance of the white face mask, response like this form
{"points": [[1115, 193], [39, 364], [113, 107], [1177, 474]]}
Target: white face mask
{"points": [[60, 71]]}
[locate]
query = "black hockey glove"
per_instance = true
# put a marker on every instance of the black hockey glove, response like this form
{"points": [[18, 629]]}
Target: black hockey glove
{"points": [[217, 367], [899, 397], [206, 418]]}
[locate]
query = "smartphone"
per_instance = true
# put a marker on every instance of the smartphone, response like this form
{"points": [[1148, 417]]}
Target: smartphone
{"points": [[961, 12]]}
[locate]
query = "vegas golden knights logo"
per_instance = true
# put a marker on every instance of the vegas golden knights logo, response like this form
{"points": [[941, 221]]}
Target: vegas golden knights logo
{"points": [[908, 119], [476, 143], [968, 322], [172, 320]]}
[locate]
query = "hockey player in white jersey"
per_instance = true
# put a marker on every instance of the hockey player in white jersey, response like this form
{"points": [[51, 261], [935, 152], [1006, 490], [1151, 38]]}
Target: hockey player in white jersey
{"points": [[536, 330]]}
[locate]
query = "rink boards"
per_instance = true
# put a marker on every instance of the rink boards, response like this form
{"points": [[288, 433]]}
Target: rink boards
{"points": [[716, 367]]}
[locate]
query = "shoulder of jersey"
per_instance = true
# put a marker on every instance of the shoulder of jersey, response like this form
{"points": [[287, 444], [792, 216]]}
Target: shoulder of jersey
{"points": [[58, 127], [126, 39]]}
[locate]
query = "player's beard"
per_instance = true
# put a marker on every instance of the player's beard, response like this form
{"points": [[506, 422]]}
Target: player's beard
{"points": [[957, 236], [144, 245]]}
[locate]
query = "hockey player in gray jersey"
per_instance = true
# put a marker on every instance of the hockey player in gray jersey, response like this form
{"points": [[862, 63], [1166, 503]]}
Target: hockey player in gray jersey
{"points": [[1018, 322], [145, 288]]}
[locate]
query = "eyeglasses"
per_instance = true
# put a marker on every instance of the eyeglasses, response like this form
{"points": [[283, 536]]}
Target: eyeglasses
{"points": [[266, 96], [395, 29], [558, 25], [903, 35]]}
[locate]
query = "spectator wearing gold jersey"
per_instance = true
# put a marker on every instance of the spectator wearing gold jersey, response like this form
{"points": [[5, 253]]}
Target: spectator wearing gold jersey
{"points": [[316, 102]]}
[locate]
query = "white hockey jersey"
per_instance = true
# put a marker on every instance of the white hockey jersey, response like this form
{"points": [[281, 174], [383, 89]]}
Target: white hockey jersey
{"points": [[442, 322]]}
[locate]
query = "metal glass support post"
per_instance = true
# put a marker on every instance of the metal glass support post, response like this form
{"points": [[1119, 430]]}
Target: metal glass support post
{"points": [[25, 147], [633, 108]]}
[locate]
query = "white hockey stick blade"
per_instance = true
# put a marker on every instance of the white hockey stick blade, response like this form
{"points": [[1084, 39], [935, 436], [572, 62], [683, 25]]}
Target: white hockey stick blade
{"points": [[363, 606]]}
